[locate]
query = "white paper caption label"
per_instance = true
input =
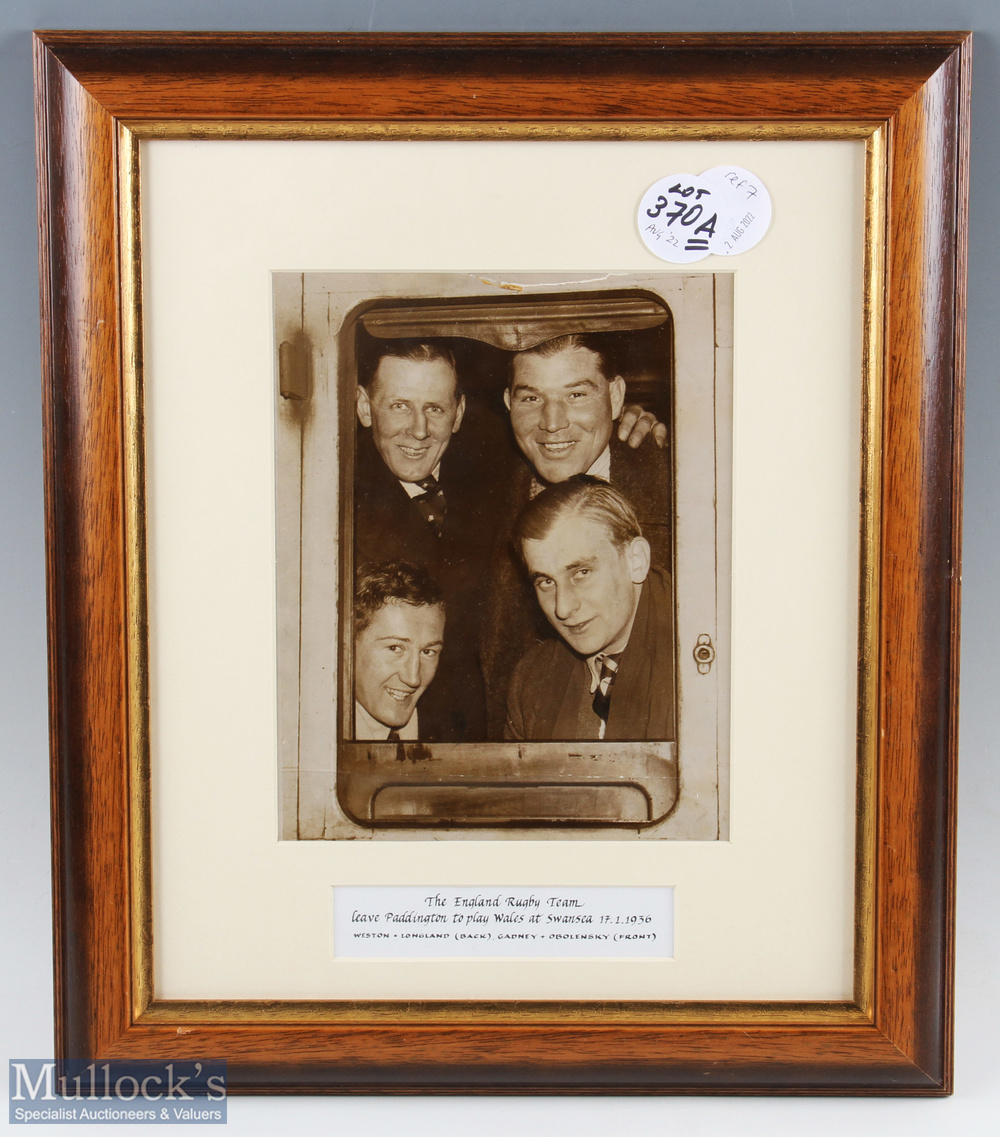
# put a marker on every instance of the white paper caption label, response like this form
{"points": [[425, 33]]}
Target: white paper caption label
{"points": [[427, 923], [684, 217]]}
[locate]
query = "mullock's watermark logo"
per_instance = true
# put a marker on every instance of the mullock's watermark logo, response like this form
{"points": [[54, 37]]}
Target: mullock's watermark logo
{"points": [[82, 1091]]}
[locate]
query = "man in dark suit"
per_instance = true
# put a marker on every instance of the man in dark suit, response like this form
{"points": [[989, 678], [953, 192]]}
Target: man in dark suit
{"points": [[411, 505], [565, 396], [399, 622], [610, 674]]}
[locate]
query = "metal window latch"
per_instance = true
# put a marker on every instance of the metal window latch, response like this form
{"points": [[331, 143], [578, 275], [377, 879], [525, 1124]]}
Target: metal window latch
{"points": [[295, 369], [704, 654]]}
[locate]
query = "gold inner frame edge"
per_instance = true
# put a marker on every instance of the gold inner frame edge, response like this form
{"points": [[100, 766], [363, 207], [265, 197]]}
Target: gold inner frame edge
{"points": [[146, 1010], [469, 130]]}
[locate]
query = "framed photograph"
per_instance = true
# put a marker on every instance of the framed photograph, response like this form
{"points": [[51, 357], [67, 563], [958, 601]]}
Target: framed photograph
{"points": [[503, 539]]}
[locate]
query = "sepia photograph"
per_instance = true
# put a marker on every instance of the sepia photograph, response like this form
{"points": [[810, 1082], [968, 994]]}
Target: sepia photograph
{"points": [[502, 542], [398, 494]]}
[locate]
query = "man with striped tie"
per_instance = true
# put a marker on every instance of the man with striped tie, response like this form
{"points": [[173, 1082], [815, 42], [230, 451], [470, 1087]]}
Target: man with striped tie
{"points": [[565, 397], [610, 675]]}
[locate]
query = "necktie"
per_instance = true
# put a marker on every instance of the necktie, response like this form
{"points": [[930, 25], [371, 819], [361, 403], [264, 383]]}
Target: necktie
{"points": [[392, 736], [602, 693], [431, 503]]}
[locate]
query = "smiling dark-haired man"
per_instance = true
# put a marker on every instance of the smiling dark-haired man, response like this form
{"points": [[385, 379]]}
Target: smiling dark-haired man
{"points": [[399, 621]]}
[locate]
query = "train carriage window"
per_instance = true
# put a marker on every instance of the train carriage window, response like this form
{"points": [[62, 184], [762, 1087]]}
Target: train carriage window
{"points": [[354, 503]]}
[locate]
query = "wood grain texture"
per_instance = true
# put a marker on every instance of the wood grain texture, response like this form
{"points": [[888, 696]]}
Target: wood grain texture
{"points": [[85, 557], [925, 321], [162, 75], [918, 84]]}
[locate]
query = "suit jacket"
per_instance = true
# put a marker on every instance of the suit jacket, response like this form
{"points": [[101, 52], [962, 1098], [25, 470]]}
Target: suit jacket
{"points": [[513, 621], [551, 683], [388, 526]]}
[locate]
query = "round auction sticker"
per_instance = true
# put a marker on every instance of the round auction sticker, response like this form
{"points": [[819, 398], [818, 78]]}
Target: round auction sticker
{"points": [[684, 217]]}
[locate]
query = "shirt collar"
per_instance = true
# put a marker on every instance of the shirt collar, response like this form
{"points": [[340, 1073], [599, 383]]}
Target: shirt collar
{"points": [[601, 468], [368, 729], [413, 489]]}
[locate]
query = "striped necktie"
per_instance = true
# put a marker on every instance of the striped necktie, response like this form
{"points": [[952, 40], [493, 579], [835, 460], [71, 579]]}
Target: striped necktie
{"points": [[431, 503], [602, 693]]}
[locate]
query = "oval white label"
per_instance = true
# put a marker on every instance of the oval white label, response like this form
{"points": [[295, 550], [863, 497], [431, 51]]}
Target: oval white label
{"points": [[684, 217]]}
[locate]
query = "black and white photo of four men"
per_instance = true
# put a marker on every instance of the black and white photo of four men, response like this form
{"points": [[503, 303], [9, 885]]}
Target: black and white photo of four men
{"points": [[532, 603]]}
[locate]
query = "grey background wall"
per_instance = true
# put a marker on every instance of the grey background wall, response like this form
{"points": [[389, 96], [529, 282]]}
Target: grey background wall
{"points": [[25, 936]]}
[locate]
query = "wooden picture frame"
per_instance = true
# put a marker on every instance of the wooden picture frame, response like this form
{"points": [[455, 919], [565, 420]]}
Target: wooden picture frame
{"points": [[907, 96]]}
